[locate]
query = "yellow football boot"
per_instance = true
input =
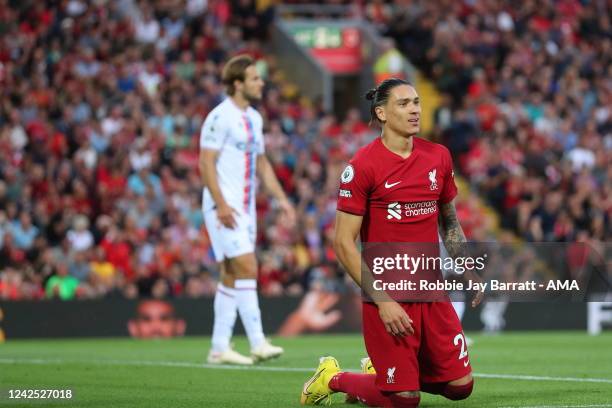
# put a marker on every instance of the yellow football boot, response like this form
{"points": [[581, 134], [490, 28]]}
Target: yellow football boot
{"points": [[366, 366], [316, 390]]}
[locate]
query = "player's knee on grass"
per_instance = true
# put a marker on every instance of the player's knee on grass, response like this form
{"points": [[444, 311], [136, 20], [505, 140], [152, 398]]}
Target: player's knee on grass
{"points": [[406, 399], [455, 390], [458, 392]]}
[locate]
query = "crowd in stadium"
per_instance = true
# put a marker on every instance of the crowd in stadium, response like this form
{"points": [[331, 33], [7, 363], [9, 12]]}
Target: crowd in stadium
{"points": [[528, 114], [101, 106]]}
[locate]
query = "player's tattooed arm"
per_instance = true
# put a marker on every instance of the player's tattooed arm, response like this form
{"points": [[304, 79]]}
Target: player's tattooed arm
{"points": [[451, 231], [455, 242]]}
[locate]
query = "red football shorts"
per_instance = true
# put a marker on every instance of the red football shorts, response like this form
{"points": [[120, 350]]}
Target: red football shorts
{"points": [[436, 352]]}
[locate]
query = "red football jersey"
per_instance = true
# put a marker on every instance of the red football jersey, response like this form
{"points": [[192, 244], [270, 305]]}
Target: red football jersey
{"points": [[398, 198]]}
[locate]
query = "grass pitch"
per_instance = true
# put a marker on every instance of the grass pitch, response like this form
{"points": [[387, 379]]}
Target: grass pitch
{"points": [[544, 370]]}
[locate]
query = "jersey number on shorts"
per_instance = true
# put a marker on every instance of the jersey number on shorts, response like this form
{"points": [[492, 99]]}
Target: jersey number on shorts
{"points": [[461, 339]]}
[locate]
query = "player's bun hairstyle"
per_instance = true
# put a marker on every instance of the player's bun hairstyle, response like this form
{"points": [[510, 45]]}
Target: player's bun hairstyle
{"points": [[234, 70], [380, 95]]}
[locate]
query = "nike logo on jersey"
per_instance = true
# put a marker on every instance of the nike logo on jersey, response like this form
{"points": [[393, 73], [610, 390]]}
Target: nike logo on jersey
{"points": [[387, 185]]}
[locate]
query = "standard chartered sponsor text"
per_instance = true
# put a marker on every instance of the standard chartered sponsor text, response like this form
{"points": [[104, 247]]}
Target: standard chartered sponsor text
{"points": [[420, 208]]}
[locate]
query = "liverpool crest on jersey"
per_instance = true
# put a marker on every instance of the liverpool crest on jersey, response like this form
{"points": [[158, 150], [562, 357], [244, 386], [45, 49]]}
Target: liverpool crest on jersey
{"points": [[432, 179]]}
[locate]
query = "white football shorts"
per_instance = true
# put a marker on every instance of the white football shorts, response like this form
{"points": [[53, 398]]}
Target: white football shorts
{"points": [[230, 243]]}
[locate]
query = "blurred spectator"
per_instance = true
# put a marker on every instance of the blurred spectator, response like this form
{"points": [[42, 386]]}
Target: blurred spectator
{"points": [[23, 232], [62, 285], [101, 267], [390, 64], [80, 237], [79, 267], [147, 27]]}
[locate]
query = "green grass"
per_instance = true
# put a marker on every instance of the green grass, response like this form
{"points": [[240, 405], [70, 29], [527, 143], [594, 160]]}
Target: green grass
{"points": [[132, 373]]}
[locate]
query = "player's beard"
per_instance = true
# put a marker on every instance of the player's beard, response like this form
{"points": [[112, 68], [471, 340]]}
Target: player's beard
{"points": [[253, 99]]}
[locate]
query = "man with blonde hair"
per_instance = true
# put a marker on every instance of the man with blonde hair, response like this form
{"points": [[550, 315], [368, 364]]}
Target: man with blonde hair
{"points": [[231, 154]]}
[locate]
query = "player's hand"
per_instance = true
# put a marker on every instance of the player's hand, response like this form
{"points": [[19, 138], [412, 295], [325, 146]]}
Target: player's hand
{"points": [[287, 209], [226, 214], [473, 276], [477, 298], [395, 318]]}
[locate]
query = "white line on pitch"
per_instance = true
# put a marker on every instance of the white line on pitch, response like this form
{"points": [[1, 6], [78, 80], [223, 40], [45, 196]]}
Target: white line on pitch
{"points": [[564, 406], [187, 364], [543, 378]]}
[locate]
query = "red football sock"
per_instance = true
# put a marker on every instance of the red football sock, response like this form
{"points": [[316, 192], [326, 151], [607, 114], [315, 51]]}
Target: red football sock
{"points": [[363, 387]]}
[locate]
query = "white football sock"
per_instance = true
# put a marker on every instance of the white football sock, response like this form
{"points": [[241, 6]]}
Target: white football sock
{"points": [[225, 317], [248, 307], [459, 309]]}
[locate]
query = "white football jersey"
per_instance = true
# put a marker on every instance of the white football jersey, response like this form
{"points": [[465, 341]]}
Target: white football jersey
{"points": [[238, 136]]}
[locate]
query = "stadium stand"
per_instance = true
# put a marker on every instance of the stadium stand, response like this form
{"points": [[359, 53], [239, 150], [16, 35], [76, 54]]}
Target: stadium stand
{"points": [[101, 106]]}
